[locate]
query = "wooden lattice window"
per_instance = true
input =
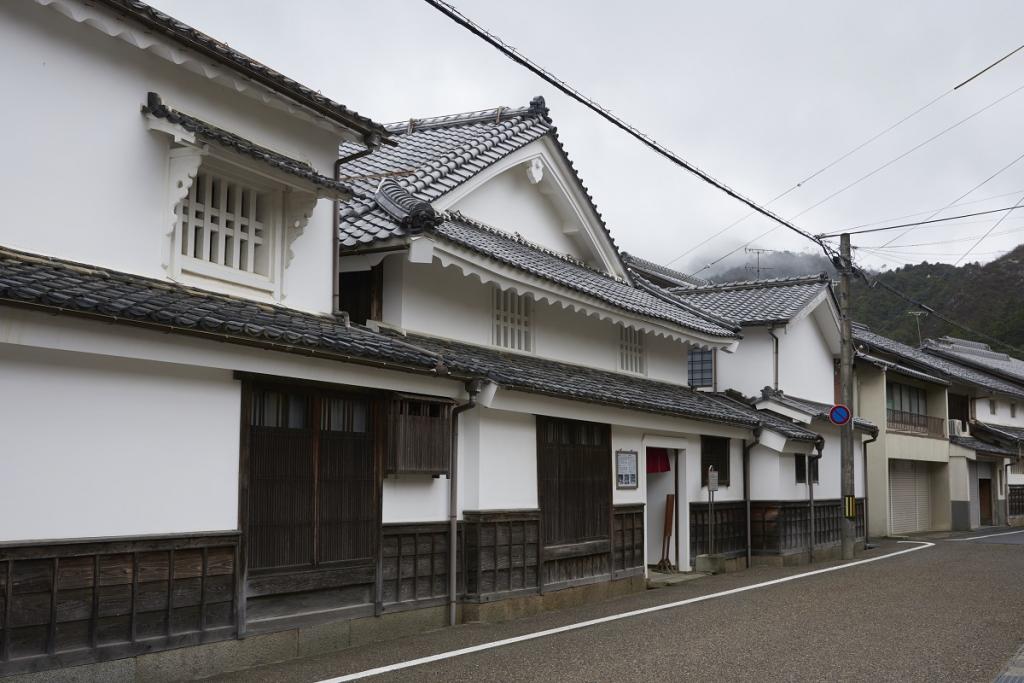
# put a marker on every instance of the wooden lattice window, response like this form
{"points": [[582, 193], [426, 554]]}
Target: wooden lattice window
{"points": [[714, 452], [700, 364], [631, 350], [226, 222], [513, 325], [420, 436]]}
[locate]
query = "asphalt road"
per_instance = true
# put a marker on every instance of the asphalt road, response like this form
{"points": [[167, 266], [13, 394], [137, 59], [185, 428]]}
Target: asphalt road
{"points": [[952, 612]]}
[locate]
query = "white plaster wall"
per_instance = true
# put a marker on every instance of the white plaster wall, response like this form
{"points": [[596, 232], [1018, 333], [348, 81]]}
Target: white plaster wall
{"points": [[666, 359], [113, 208], [749, 368], [766, 472], [431, 299], [806, 369], [695, 493], [511, 203], [773, 474], [96, 446], [1002, 415], [507, 456]]}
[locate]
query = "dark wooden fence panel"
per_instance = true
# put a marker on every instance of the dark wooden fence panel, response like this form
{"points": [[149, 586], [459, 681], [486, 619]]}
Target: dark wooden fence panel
{"points": [[282, 475], [1017, 500], [784, 526], [347, 488], [628, 540], [70, 603], [730, 528], [420, 436], [415, 563], [502, 553]]}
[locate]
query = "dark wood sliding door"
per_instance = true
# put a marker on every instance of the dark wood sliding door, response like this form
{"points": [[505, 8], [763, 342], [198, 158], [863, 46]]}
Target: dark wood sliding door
{"points": [[312, 479]]}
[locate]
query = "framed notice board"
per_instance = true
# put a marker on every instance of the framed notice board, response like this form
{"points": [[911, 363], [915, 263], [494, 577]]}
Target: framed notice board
{"points": [[626, 470]]}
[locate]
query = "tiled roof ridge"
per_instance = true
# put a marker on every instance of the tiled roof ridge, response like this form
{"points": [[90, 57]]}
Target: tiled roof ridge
{"points": [[759, 284], [208, 46], [155, 107], [456, 215], [641, 263], [536, 108], [670, 297], [962, 347]]}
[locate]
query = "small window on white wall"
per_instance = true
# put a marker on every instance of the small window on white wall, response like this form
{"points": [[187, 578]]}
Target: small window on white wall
{"points": [[700, 365], [226, 228], [513, 321], [631, 350], [1013, 410], [992, 407]]}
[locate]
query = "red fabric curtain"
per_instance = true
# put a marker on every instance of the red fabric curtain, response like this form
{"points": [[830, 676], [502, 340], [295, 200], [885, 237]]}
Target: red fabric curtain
{"points": [[657, 460]]}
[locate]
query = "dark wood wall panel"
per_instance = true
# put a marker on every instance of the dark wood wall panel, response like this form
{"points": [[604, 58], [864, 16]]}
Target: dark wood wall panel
{"points": [[415, 563], [1016, 500], [730, 527], [628, 540], [78, 602], [502, 553]]}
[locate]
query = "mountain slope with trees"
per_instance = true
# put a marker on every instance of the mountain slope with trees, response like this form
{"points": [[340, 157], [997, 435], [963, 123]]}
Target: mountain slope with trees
{"points": [[988, 298]]}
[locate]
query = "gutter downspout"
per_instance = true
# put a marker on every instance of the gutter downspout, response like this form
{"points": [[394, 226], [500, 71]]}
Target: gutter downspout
{"points": [[372, 145], [472, 388], [819, 445], [746, 483], [867, 526], [775, 357]]}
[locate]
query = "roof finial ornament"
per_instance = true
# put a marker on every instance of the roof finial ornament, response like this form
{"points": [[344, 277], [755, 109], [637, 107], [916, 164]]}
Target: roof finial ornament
{"points": [[497, 118], [538, 106]]}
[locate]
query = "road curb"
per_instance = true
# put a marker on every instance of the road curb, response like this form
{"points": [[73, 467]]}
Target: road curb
{"points": [[1014, 671]]}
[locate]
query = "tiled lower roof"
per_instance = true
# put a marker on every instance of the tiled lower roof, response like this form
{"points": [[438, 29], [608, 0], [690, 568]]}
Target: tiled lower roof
{"points": [[953, 371], [816, 409], [66, 287], [1009, 433], [567, 272], [667, 276], [206, 131], [978, 355], [890, 366], [980, 446], [769, 420], [548, 377], [758, 302]]}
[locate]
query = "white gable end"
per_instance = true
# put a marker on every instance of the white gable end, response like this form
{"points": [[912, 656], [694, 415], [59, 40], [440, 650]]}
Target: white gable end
{"points": [[533, 192]]}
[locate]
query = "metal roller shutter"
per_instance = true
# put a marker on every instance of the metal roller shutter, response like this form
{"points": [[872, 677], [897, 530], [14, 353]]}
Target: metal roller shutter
{"points": [[909, 497]]}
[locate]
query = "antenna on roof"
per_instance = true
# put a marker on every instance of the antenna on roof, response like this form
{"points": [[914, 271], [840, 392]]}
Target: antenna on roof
{"points": [[758, 267], [917, 316]]}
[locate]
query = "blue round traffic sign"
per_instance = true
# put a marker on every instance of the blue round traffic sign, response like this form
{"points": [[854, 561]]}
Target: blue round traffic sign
{"points": [[839, 414]]}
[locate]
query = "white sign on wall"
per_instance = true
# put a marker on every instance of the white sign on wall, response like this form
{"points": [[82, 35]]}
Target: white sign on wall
{"points": [[626, 470]]}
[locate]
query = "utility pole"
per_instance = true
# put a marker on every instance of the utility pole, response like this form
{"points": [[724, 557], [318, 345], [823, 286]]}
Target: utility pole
{"points": [[758, 252], [917, 316], [847, 527]]}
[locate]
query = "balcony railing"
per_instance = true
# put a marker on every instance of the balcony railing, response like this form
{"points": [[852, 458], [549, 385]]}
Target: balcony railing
{"points": [[902, 421]]}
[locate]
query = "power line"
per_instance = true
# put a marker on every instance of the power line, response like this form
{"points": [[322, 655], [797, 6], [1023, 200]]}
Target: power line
{"points": [[927, 211], [907, 153], [965, 194], [918, 223], [513, 54], [952, 241], [982, 238], [844, 156]]}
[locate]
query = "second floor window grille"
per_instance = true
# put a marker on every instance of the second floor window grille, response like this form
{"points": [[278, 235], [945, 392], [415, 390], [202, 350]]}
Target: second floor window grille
{"points": [[226, 222], [907, 399], [631, 350], [701, 367], [513, 321]]}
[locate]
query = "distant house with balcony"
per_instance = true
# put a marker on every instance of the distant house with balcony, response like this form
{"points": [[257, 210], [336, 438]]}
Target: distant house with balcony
{"points": [[933, 460]]}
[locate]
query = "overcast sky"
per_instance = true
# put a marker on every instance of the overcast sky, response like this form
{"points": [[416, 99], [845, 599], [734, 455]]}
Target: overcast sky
{"points": [[759, 94]]}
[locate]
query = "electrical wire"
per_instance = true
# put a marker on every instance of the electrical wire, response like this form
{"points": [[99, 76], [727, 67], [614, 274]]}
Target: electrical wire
{"points": [[919, 223], [927, 211], [452, 13], [982, 238], [952, 241], [965, 194]]}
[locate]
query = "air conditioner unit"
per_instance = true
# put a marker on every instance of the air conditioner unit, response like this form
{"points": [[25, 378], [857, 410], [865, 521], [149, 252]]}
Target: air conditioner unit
{"points": [[958, 428]]}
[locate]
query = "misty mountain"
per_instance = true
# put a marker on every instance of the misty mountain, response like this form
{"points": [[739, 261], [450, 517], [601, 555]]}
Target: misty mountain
{"points": [[773, 264]]}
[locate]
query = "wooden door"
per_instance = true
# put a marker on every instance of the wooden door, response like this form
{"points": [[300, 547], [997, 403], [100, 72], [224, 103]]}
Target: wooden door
{"points": [[985, 500], [312, 481]]}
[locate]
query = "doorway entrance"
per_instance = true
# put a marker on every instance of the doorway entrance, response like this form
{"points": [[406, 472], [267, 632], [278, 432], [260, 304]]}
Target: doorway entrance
{"points": [[985, 501], [663, 506]]}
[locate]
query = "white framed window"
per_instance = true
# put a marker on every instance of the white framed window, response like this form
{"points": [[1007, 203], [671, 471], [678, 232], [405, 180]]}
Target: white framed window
{"points": [[513, 321], [228, 227], [632, 357]]}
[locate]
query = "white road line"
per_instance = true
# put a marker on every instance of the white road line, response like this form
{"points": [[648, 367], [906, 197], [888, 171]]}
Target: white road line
{"points": [[975, 538], [920, 545]]}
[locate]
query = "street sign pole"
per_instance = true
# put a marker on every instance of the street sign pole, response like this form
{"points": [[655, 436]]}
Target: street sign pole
{"points": [[847, 528]]}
